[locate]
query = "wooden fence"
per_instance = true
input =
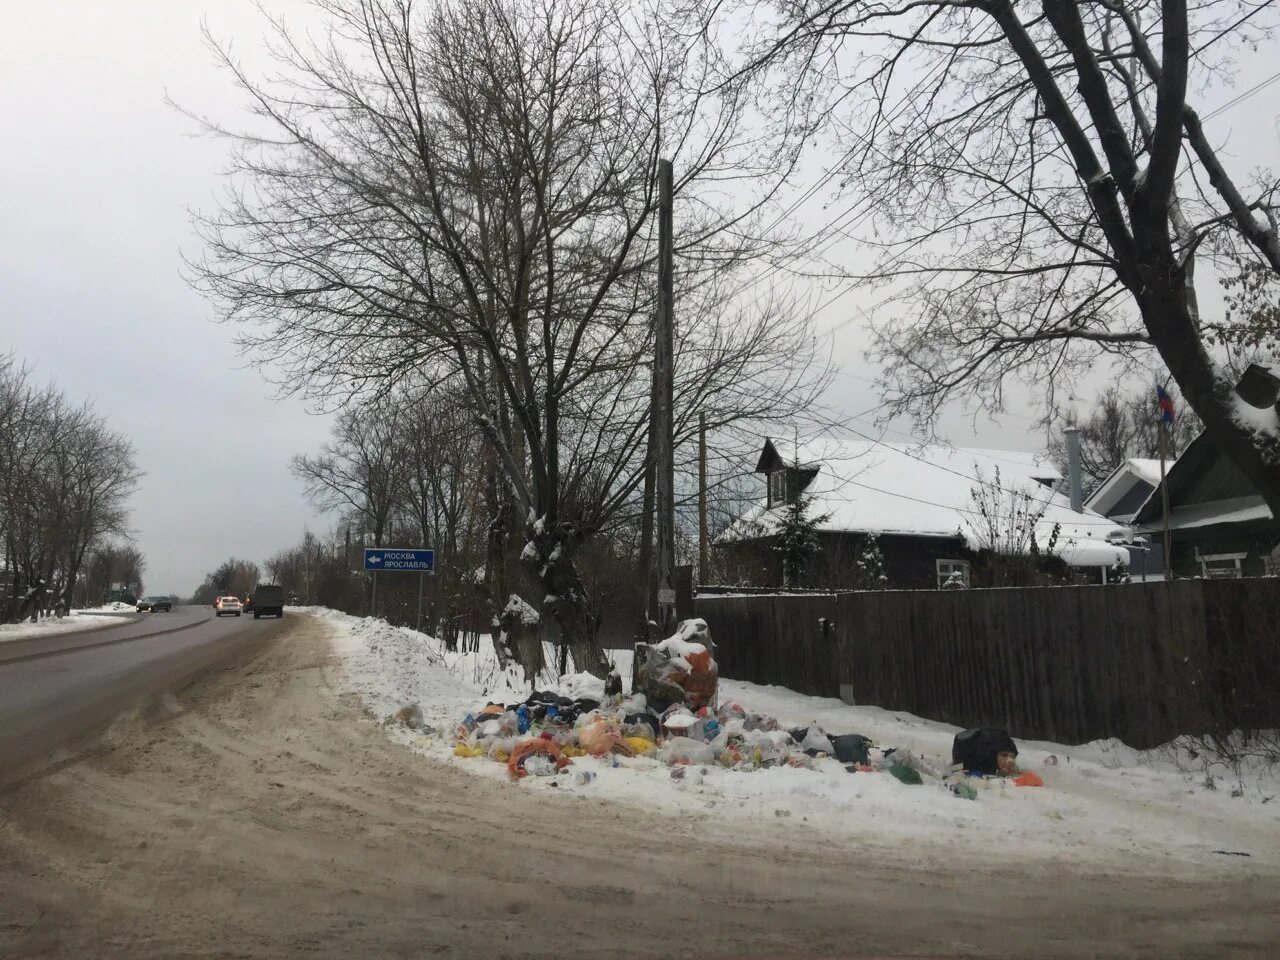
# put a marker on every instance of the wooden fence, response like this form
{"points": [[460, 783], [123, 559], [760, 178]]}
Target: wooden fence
{"points": [[1141, 662]]}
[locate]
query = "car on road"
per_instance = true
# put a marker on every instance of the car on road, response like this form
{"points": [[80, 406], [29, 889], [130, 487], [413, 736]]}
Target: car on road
{"points": [[155, 605], [228, 605]]}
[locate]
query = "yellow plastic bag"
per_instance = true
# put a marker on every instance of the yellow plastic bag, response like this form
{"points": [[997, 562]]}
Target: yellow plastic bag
{"points": [[463, 750], [640, 745], [569, 750]]}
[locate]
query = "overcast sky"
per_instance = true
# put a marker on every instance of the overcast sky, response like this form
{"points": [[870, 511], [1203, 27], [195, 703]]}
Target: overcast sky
{"points": [[97, 174]]}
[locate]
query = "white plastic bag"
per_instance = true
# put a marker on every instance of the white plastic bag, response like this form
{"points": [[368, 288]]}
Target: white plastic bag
{"points": [[684, 750]]}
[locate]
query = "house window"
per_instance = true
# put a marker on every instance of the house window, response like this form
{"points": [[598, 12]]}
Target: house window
{"points": [[777, 487], [953, 573], [1221, 566]]}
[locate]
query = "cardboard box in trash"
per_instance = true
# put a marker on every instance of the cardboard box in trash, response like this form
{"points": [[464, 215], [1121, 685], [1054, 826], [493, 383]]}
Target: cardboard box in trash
{"points": [[680, 669]]}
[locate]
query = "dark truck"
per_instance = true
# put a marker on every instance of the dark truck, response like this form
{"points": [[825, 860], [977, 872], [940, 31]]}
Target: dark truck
{"points": [[267, 601]]}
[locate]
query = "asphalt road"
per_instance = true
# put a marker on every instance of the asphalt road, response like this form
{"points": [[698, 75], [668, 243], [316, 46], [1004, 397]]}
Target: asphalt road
{"points": [[54, 690]]}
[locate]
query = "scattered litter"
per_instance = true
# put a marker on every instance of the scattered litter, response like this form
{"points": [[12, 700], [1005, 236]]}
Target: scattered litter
{"points": [[964, 790], [1233, 853], [1028, 779], [985, 750]]}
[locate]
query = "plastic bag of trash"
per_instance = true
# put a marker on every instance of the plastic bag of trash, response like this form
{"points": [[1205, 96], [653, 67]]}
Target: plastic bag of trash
{"points": [[529, 748], [540, 766], [851, 748], [640, 745], [985, 750], [500, 748], [641, 729], [601, 737], [816, 741], [684, 750], [468, 750]]}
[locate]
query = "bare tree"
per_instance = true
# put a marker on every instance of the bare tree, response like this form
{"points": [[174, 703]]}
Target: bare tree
{"points": [[1121, 426], [65, 480], [358, 471], [1043, 189], [470, 191]]}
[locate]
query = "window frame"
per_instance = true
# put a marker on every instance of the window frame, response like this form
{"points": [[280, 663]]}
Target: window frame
{"points": [[953, 564], [778, 487]]}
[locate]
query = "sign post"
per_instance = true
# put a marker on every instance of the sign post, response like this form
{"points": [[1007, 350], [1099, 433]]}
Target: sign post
{"points": [[397, 560]]}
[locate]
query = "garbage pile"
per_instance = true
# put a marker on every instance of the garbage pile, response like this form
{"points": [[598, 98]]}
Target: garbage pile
{"points": [[546, 733], [672, 719]]}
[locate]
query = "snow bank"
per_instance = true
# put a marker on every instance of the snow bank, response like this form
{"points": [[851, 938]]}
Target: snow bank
{"points": [[50, 626], [1102, 802]]}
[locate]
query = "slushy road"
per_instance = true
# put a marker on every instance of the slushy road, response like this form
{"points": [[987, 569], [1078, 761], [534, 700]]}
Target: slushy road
{"points": [[58, 688]]}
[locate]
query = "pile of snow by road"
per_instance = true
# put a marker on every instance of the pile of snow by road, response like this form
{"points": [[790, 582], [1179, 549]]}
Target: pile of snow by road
{"points": [[1101, 801], [49, 626]]}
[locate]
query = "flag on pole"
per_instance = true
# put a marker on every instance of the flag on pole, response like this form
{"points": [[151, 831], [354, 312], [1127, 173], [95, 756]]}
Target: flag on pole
{"points": [[1165, 403]]}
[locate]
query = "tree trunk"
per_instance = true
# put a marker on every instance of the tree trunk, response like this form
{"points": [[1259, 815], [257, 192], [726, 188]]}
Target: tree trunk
{"points": [[1175, 336], [554, 571]]}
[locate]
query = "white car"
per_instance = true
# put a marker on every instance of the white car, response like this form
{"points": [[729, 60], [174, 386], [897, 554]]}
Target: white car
{"points": [[227, 605]]}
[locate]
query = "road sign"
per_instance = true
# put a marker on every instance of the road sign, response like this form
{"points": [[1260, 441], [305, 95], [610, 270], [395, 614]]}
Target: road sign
{"points": [[399, 560]]}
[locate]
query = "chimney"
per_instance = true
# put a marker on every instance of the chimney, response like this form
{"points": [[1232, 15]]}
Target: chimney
{"points": [[1072, 436]]}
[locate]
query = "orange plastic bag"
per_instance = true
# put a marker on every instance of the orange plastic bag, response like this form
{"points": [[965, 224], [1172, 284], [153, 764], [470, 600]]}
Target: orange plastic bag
{"points": [[527, 748], [600, 737], [1029, 779]]}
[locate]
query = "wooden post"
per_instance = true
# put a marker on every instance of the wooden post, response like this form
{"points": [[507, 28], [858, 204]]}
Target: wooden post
{"points": [[663, 421], [421, 580], [704, 546], [1164, 498]]}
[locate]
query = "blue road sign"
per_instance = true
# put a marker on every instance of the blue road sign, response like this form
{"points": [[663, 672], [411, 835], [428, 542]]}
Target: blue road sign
{"points": [[401, 561]]}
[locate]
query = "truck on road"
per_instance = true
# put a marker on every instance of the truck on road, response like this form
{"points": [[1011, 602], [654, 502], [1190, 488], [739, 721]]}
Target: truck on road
{"points": [[267, 600]]}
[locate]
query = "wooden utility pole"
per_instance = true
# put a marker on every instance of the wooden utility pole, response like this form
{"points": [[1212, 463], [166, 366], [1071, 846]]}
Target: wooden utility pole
{"points": [[663, 420], [1164, 497], [704, 547]]}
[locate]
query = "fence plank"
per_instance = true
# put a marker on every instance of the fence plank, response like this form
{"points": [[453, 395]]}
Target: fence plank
{"points": [[1141, 662]]}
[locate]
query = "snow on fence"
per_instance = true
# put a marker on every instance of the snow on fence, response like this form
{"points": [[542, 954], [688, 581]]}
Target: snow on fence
{"points": [[1143, 662]]}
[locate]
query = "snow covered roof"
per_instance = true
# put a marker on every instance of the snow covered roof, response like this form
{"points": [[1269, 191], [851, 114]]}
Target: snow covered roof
{"points": [[869, 486], [1121, 481]]}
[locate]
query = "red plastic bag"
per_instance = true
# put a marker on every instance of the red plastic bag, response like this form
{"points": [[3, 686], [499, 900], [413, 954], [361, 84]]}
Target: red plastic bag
{"points": [[1029, 779], [527, 748]]}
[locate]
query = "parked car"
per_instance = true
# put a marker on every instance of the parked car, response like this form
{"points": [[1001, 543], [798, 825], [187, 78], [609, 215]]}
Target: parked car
{"points": [[227, 605], [268, 601], [155, 604]]}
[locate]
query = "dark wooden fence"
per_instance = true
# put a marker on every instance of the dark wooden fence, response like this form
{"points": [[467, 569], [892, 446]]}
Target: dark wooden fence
{"points": [[1141, 662]]}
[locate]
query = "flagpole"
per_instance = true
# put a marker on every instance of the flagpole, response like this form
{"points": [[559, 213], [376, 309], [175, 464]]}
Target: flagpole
{"points": [[1164, 496]]}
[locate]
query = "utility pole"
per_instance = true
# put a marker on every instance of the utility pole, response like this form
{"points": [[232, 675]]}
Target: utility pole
{"points": [[704, 548], [1164, 498], [663, 423]]}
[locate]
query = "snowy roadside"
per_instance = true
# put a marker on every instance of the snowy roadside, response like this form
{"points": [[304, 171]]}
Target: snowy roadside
{"points": [[1102, 803], [79, 620]]}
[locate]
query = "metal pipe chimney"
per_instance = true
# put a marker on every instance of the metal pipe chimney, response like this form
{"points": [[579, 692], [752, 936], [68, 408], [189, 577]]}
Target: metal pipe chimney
{"points": [[1072, 436]]}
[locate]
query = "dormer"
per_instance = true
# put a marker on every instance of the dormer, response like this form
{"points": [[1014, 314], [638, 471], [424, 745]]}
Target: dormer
{"points": [[783, 481]]}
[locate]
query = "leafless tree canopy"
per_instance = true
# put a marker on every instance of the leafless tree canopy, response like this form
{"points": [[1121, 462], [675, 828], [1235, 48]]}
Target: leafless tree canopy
{"points": [[1121, 426], [467, 192], [1039, 187], [65, 480]]}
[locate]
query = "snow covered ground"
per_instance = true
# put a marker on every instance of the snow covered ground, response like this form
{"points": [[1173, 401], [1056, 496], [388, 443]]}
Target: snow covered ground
{"points": [[79, 620], [1102, 802]]}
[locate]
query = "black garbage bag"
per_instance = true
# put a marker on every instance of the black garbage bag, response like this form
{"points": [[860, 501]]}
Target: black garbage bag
{"points": [[978, 750], [851, 748]]}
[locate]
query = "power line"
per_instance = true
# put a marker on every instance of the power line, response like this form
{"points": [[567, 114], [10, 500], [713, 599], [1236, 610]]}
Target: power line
{"points": [[1256, 88]]}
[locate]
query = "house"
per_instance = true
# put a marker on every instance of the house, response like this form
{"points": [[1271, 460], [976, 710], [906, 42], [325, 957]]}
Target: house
{"points": [[1219, 525], [1119, 497], [932, 510]]}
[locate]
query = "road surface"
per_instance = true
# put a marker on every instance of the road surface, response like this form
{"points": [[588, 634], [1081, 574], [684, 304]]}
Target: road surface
{"points": [[56, 688], [256, 812]]}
